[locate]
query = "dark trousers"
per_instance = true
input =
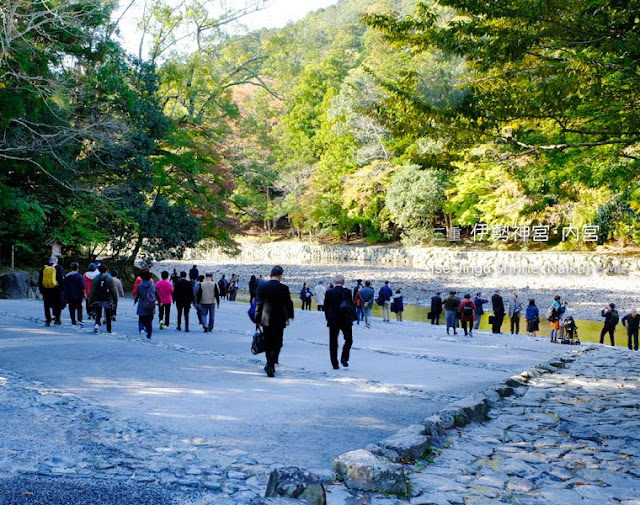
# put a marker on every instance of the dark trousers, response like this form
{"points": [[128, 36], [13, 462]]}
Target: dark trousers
{"points": [[306, 304], [184, 308], [321, 308], [272, 344], [435, 317], [359, 314], [146, 322], [164, 309], [497, 323], [610, 331], [75, 310], [347, 332], [52, 304], [108, 312], [515, 325], [469, 324], [633, 338], [90, 312]]}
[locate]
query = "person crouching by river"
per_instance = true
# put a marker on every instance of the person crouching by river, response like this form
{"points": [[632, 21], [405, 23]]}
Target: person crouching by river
{"points": [[532, 315]]}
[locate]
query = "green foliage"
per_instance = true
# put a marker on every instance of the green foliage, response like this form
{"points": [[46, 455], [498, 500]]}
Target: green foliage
{"points": [[415, 196]]}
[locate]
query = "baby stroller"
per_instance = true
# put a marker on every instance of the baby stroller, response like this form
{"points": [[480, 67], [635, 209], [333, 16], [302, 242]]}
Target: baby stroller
{"points": [[570, 332]]}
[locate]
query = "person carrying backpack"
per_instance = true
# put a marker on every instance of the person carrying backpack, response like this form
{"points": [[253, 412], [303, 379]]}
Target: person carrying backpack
{"points": [[467, 314], [611, 319], [554, 314], [103, 296], [146, 298], [51, 285]]}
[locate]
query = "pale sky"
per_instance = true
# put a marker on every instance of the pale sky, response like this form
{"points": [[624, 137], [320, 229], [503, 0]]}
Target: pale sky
{"points": [[276, 15], [280, 12]]}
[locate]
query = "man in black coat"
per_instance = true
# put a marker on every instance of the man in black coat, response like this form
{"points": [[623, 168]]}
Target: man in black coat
{"points": [[498, 311], [338, 321], [436, 308], [274, 312], [183, 298]]}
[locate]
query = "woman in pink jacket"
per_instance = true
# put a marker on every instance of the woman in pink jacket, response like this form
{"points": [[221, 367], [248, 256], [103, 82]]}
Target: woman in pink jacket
{"points": [[164, 288]]}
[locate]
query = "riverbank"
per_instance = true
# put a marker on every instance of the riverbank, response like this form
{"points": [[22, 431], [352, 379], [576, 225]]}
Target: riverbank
{"points": [[587, 295]]}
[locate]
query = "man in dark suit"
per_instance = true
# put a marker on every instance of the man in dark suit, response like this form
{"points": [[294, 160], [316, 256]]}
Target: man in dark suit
{"points": [[498, 311], [274, 312], [436, 308], [336, 321]]}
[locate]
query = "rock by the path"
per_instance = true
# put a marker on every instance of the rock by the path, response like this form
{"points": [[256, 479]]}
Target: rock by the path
{"points": [[410, 443], [365, 471], [278, 500], [16, 285], [293, 482]]}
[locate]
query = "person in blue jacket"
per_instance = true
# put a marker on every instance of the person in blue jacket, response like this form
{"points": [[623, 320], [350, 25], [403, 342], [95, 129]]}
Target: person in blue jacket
{"points": [[385, 294], [478, 301]]}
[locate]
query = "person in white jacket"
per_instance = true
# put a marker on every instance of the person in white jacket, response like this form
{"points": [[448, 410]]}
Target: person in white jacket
{"points": [[319, 292]]}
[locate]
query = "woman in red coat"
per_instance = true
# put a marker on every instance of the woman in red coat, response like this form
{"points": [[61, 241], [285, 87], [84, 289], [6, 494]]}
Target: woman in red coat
{"points": [[467, 314]]}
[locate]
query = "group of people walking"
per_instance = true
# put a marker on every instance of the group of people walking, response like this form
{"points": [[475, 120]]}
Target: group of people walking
{"points": [[467, 313], [101, 289], [275, 311], [364, 298]]}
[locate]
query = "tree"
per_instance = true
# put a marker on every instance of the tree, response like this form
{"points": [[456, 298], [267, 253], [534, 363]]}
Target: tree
{"points": [[414, 197]]}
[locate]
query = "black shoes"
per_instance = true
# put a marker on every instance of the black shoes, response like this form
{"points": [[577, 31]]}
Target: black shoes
{"points": [[48, 323], [270, 371], [344, 363], [57, 322], [336, 367]]}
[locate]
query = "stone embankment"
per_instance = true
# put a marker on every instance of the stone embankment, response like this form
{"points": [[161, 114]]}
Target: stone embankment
{"points": [[436, 260]]}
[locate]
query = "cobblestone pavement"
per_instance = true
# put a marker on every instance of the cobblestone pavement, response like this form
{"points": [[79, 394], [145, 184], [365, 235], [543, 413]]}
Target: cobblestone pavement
{"points": [[572, 438]]}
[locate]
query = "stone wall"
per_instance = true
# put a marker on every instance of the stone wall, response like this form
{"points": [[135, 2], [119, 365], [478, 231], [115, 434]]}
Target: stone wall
{"points": [[436, 260]]}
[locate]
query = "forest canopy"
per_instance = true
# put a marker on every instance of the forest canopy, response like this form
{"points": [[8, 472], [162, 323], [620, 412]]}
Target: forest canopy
{"points": [[371, 119]]}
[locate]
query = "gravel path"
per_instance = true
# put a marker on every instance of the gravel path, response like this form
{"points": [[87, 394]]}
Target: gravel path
{"points": [[195, 412]]}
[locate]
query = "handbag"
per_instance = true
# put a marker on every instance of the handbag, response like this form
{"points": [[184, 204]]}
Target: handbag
{"points": [[491, 319], [257, 344], [393, 307], [430, 315]]}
